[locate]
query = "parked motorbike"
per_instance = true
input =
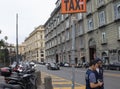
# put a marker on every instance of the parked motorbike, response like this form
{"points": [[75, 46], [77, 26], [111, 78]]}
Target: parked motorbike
{"points": [[21, 78]]}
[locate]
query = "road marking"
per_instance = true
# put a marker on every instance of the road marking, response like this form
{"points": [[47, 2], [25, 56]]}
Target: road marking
{"points": [[81, 87], [61, 83], [113, 75]]}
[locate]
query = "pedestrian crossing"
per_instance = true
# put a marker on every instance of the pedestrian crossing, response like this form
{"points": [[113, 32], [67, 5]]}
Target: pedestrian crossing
{"points": [[61, 83]]}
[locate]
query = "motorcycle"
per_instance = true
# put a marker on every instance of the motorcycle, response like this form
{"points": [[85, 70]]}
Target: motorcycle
{"points": [[22, 78]]}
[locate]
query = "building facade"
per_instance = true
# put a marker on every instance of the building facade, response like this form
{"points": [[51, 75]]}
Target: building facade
{"points": [[35, 45], [97, 33], [21, 50]]}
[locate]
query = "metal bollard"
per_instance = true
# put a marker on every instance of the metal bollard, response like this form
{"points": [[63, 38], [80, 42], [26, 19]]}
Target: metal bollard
{"points": [[48, 82], [38, 75]]}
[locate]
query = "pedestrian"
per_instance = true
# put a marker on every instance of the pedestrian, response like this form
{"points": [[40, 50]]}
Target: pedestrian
{"points": [[91, 80], [99, 72]]}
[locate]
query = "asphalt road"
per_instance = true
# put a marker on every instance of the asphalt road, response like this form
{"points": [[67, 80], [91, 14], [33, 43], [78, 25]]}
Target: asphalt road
{"points": [[111, 78]]}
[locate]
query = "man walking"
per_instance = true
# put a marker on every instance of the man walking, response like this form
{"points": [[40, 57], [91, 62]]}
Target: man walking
{"points": [[91, 80], [99, 71]]}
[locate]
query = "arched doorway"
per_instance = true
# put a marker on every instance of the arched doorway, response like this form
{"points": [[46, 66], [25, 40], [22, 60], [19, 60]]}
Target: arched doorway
{"points": [[92, 49]]}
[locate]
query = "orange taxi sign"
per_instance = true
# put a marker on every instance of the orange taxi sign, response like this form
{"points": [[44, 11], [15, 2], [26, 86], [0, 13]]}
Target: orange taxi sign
{"points": [[73, 6]]}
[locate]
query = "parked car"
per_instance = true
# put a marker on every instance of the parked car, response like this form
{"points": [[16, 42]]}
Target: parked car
{"points": [[79, 65], [61, 64], [114, 66], [66, 64], [42, 63], [53, 66], [85, 64]]}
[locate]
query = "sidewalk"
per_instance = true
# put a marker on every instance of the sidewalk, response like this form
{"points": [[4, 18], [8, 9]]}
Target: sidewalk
{"points": [[1, 79]]}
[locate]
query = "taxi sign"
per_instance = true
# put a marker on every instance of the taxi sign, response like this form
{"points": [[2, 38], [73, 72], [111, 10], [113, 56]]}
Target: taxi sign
{"points": [[73, 6]]}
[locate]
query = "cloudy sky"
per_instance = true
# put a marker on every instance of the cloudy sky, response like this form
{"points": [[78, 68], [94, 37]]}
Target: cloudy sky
{"points": [[31, 13]]}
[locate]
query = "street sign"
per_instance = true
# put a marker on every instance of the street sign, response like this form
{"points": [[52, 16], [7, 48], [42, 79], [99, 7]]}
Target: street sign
{"points": [[73, 6]]}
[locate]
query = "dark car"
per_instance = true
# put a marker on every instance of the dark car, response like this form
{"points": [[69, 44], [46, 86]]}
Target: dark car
{"points": [[85, 64], [61, 64], [53, 66]]}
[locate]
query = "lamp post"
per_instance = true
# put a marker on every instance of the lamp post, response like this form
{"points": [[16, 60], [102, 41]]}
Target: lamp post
{"points": [[0, 31], [17, 59]]}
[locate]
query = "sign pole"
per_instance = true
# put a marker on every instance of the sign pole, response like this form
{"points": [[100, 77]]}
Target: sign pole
{"points": [[73, 51], [73, 6]]}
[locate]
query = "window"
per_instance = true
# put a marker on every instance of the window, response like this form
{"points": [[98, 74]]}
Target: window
{"points": [[79, 16], [59, 39], [63, 37], [101, 18], [42, 55], [80, 29], [41, 36], [117, 10], [62, 17], [67, 24], [41, 44], [58, 19], [119, 32], [89, 7], [82, 43], [104, 40], [67, 37], [90, 24], [101, 2]]}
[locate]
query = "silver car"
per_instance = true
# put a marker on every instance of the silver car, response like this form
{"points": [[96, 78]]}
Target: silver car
{"points": [[53, 66]]}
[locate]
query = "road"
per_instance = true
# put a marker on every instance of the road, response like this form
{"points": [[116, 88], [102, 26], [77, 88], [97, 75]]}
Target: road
{"points": [[64, 75]]}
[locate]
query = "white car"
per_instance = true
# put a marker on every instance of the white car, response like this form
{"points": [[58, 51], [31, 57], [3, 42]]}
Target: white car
{"points": [[66, 64]]}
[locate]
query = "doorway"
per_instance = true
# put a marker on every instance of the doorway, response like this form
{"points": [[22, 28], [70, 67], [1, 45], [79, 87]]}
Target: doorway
{"points": [[76, 61], [92, 49], [92, 53], [57, 58]]}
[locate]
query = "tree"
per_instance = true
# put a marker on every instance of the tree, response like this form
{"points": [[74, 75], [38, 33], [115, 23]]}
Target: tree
{"points": [[2, 43], [3, 51]]}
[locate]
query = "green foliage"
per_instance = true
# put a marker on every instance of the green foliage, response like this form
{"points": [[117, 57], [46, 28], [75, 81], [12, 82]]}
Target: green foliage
{"points": [[3, 51], [2, 43]]}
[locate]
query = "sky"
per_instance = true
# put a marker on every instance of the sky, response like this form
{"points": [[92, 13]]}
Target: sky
{"points": [[31, 14]]}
